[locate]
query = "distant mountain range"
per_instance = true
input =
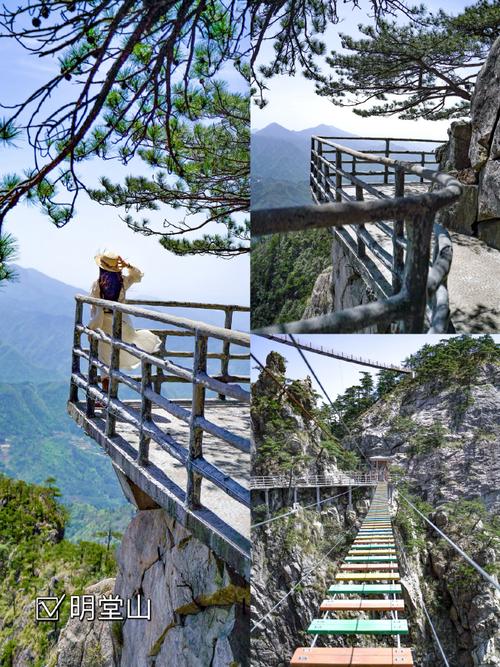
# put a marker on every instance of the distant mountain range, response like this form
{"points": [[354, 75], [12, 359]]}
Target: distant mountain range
{"points": [[36, 323], [280, 162]]}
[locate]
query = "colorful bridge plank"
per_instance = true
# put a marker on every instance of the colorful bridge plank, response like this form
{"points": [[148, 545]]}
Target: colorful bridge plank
{"points": [[351, 657], [357, 626]]}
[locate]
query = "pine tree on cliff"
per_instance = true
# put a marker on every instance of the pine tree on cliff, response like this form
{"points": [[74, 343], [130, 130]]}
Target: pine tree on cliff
{"points": [[423, 69]]}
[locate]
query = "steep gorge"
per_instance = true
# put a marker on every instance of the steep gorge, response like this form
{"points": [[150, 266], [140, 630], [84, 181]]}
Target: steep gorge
{"points": [[443, 430]]}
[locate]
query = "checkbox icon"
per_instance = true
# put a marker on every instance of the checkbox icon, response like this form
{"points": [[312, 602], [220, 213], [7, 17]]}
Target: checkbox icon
{"points": [[47, 608]]}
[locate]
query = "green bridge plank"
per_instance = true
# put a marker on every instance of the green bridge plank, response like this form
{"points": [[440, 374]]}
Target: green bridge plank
{"points": [[357, 626], [365, 589]]}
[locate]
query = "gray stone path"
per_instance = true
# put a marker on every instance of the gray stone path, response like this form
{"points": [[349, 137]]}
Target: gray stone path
{"points": [[474, 280]]}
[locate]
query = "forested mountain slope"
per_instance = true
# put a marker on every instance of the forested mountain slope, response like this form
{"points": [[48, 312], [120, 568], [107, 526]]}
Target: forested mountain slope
{"points": [[35, 559]]}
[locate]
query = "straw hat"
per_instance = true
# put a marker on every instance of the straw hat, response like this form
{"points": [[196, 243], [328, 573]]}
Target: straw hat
{"points": [[108, 261]]}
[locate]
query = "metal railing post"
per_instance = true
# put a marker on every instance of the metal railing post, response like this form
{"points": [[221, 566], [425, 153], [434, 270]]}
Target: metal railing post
{"points": [[193, 489], [226, 348], [114, 366], [419, 233], [312, 165], [92, 375], [77, 342], [361, 243], [159, 375], [146, 406], [338, 175], [422, 162], [398, 233], [387, 154]]}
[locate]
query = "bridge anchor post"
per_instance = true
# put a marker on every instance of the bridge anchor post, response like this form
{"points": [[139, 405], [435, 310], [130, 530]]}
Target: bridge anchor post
{"points": [[266, 495], [318, 498], [349, 502]]}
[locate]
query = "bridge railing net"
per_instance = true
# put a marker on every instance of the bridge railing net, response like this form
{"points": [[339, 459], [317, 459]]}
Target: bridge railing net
{"points": [[347, 479], [414, 298], [157, 370]]}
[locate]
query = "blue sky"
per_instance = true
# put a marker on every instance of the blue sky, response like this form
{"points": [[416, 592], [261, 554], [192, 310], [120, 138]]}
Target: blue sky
{"points": [[335, 375], [67, 254], [293, 103]]}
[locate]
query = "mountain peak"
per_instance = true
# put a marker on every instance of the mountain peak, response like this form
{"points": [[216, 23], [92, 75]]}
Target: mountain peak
{"points": [[273, 128]]}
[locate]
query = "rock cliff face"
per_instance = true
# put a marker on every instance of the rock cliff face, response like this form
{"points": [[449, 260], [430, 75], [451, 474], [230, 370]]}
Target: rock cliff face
{"points": [[473, 154], [339, 287], [286, 437], [284, 553], [463, 459], [199, 607]]}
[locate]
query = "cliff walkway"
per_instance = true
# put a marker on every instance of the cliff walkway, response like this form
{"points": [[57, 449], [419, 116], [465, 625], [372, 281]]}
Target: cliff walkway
{"points": [[380, 206], [188, 456]]}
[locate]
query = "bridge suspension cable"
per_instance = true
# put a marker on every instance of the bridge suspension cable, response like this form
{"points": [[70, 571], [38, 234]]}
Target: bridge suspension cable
{"points": [[325, 393], [427, 615], [435, 635], [302, 507], [258, 623], [462, 553]]}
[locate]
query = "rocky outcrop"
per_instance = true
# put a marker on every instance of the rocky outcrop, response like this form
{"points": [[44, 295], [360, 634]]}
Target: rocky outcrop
{"points": [[463, 460], [457, 463], [199, 607], [321, 300], [199, 613], [473, 155], [485, 146], [286, 438], [90, 643], [339, 287]]}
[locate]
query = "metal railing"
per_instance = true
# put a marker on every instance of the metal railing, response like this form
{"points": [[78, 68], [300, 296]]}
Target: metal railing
{"points": [[224, 355], [155, 369], [415, 299], [338, 479]]}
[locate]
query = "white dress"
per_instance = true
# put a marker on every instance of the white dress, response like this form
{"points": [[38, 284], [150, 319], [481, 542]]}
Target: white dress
{"points": [[141, 338]]}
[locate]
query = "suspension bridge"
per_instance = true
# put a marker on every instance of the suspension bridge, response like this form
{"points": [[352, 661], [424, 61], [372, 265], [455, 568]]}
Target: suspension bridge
{"points": [[367, 584], [334, 354], [366, 599]]}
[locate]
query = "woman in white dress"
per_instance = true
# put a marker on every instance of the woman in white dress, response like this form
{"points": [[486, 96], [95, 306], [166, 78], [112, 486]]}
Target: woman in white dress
{"points": [[115, 277]]}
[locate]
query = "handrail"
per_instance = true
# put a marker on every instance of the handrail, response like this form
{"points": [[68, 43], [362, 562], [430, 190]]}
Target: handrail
{"points": [[195, 326], [188, 304], [335, 479], [416, 295], [309, 216], [140, 415]]}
